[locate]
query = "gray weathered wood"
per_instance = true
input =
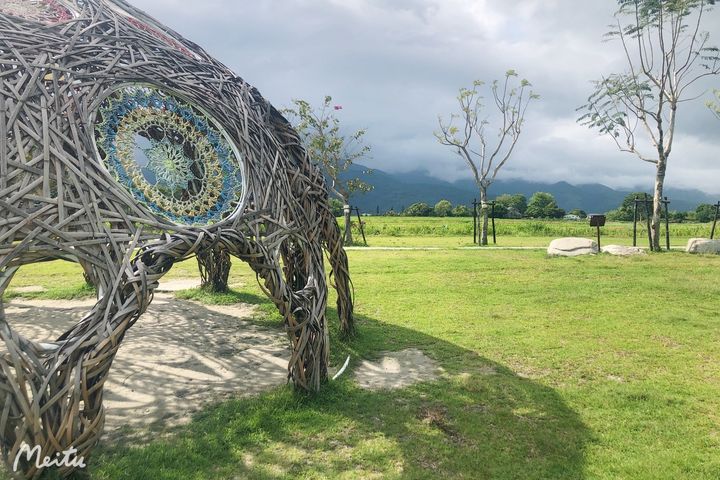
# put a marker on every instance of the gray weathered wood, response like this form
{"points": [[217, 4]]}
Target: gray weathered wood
{"points": [[58, 200]]}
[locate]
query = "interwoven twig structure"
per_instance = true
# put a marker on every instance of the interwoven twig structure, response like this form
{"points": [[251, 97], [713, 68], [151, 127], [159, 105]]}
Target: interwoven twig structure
{"points": [[127, 148]]}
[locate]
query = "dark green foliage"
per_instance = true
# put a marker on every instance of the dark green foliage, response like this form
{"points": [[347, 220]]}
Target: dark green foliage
{"points": [[461, 211], [336, 206], [649, 13], [578, 212], [420, 209], [510, 206], [705, 212], [625, 212], [543, 205], [501, 210], [678, 217], [443, 208]]}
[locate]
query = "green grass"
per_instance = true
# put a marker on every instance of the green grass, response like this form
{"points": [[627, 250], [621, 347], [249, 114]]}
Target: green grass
{"points": [[59, 280], [75, 290], [463, 226], [454, 242], [452, 232], [593, 367]]}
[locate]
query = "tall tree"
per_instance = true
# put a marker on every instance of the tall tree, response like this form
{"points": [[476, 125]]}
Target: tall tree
{"points": [[419, 209], [484, 152], [443, 208], [666, 53], [543, 205], [705, 212], [334, 152], [513, 206], [460, 211]]}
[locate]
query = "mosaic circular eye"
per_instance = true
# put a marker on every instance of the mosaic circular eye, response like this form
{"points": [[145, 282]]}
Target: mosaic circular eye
{"points": [[169, 155], [48, 12]]}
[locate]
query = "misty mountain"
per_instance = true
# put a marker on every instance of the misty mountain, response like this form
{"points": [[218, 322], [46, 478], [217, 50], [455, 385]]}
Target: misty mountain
{"points": [[398, 191]]}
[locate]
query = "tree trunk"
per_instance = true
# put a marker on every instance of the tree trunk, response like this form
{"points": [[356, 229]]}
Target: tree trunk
{"points": [[348, 230], [657, 202], [214, 266], [484, 214]]}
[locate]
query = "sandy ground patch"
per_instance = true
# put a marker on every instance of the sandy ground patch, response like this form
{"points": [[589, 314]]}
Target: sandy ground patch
{"points": [[30, 289], [178, 284], [179, 356], [397, 370]]}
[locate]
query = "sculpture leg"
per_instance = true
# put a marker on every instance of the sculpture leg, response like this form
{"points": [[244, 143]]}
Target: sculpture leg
{"points": [[308, 326], [300, 294], [51, 395], [214, 267], [89, 273], [339, 275]]}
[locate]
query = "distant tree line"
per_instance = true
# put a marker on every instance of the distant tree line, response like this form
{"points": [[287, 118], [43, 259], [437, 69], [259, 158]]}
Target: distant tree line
{"points": [[624, 213], [542, 205]]}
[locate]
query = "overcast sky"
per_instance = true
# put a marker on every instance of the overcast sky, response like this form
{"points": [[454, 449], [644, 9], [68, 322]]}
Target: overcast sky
{"points": [[394, 65]]}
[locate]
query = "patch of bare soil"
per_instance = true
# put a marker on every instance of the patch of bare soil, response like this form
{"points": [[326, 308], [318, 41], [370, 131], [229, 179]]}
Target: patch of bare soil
{"points": [[179, 356], [397, 370]]}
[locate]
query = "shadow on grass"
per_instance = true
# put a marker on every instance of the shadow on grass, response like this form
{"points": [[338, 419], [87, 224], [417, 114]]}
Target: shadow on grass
{"points": [[479, 420]]}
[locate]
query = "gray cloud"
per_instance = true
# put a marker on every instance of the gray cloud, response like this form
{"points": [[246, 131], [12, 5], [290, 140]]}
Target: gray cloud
{"points": [[395, 65]]}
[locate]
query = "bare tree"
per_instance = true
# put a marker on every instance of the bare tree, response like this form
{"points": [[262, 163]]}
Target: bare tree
{"points": [[472, 141], [332, 151], [666, 53]]}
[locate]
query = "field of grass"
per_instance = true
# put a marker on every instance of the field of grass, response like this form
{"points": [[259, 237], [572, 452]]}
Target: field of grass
{"points": [[596, 367], [452, 232]]}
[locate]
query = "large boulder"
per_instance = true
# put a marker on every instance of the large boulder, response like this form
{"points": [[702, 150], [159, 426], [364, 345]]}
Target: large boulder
{"points": [[703, 245], [572, 247], [623, 250]]}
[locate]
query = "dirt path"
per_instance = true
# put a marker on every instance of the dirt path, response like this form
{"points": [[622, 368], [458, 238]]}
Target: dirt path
{"points": [[179, 356]]}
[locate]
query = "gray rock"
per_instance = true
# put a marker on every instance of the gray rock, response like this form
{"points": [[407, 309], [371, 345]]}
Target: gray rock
{"points": [[572, 247], [703, 245], [623, 250]]}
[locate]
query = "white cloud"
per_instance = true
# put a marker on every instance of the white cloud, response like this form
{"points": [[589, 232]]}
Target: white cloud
{"points": [[395, 65]]}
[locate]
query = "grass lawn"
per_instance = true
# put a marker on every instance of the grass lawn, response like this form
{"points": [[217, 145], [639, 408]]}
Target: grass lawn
{"points": [[452, 232], [595, 367], [463, 241]]}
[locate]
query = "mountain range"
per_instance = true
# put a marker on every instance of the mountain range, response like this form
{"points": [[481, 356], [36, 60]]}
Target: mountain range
{"points": [[398, 191]]}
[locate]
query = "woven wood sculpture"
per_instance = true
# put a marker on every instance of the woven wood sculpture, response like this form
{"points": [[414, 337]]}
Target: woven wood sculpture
{"points": [[126, 148]]}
